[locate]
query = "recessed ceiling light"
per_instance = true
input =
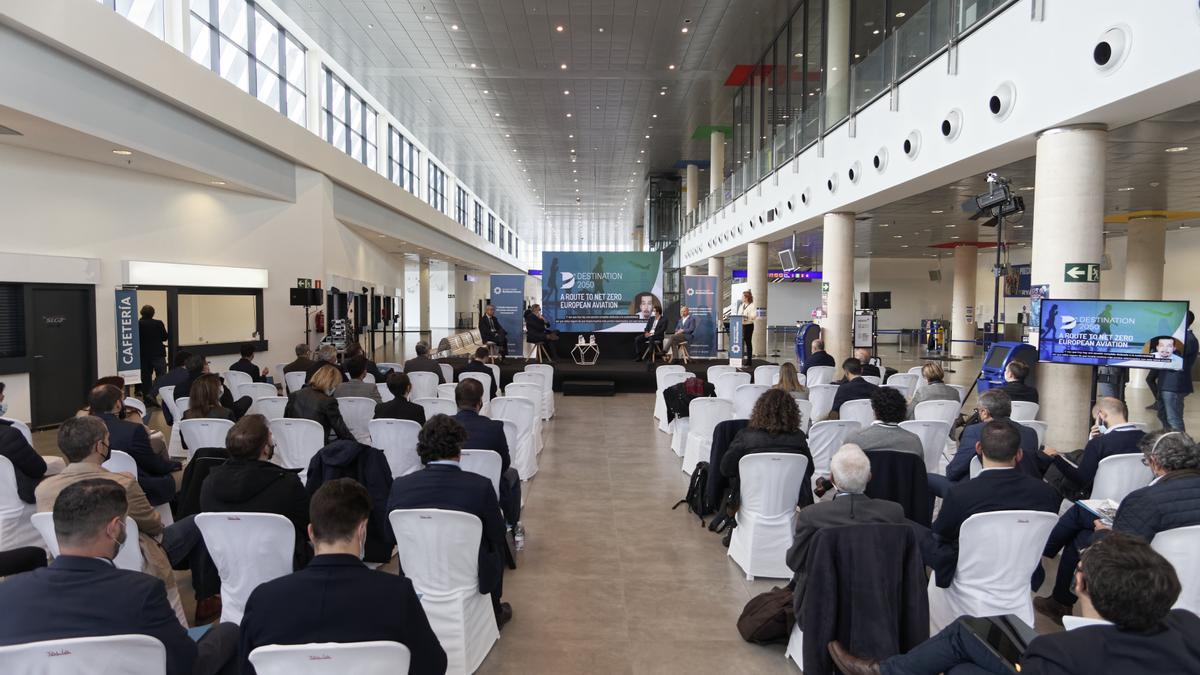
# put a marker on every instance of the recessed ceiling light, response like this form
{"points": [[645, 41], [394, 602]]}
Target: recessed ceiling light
{"points": [[474, 65], [566, 92], [662, 93], [955, 237], [1178, 148], [486, 91], [601, 30], [216, 182], [655, 115], [370, 25], [647, 136], [497, 114], [799, 55], [900, 15], [897, 236], [683, 30], [937, 211], [123, 153], [568, 114], [560, 28], [639, 161], [428, 17], [671, 67], [642, 151], [453, 26], [562, 66], [903, 245], [570, 135], [951, 225], [1126, 189], [1027, 188], [572, 151], [884, 224], [875, 32]]}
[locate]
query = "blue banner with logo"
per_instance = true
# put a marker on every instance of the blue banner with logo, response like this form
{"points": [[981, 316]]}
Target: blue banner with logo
{"points": [[508, 297], [700, 297], [129, 357], [735, 339]]}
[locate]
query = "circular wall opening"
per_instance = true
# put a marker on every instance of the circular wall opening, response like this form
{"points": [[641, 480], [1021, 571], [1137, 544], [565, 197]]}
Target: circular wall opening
{"points": [[1102, 53]]}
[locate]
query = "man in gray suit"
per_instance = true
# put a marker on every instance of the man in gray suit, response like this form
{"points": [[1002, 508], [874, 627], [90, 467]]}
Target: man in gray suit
{"points": [[885, 433], [422, 363], [683, 332], [356, 368], [850, 472]]}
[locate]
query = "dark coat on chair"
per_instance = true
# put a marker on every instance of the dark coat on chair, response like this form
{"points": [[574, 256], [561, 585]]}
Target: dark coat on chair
{"points": [[368, 467], [203, 461], [677, 399], [723, 435], [424, 364], [821, 358], [154, 472], [260, 487], [1116, 442], [300, 365], [852, 390], [244, 365], [1174, 501], [338, 599], [752, 441], [310, 404], [866, 588], [474, 366], [400, 409], [900, 477], [28, 466], [440, 486], [485, 433], [87, 597], [1172, 648], [959, 467], [845, 509]]}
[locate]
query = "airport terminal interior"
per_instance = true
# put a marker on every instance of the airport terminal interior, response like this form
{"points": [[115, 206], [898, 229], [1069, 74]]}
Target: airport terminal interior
{"points": [[821, 336]]}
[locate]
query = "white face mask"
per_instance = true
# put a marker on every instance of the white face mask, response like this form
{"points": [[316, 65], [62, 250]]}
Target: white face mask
{"points": [[3, 409]]}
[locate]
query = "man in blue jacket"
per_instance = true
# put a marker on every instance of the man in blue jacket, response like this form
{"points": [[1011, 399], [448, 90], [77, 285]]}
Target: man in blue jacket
{"points": [[154, 471], [994, 406], [682, 335], [1111, 435], [1174, 385]]}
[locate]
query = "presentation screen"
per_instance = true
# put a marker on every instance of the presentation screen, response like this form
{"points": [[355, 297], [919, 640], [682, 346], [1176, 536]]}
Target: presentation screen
{"points": [[587, 292], [1128, 333]]}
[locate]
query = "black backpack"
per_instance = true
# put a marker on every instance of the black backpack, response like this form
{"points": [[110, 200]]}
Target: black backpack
{"points": [[695, 497]]}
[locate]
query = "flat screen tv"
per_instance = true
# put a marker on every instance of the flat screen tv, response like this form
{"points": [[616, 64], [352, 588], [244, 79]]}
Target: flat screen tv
{"points": [[1126, 333]]}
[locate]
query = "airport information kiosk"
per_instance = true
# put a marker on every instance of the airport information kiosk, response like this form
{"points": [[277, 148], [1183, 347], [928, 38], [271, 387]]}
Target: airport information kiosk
{"points": [[999, 355], [806, 333]]}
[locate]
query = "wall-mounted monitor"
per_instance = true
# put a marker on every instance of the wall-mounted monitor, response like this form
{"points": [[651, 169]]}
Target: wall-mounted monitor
{"points": [[787, 259], [1126, 333]]}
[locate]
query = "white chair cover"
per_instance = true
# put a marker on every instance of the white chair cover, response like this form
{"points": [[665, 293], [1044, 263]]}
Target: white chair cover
{"points": [[548, 371], [297, 441], [770, 485], [744, 398], [128, 558], [398, 441], [906, 380], [484, 379], [1181, 547], [439, 552], [532, 392], [824, 439], [521, 411], [806, 414], [389, 367], [705, 414], [294, 381], [543, 381], [1118, 475], [486, 463], [106, 655], [120, 461], [874, 379], [15, 529], [277, 374], [446, 390], [976, 467], [235, 380], [962, 392], [660, 408], [858, 410], [819, 375], [248, 549], [997, 553], [447, 371], [679, 428], [767, 375], [1024, 410], [898, 387], [369, 378], [512, 436], [727, 383], [795, 647], [669, 379], [1039, 427], [175, 441], [437, 406], [424, 385], [204, 433], [934, 435], [385, 394], [495, 372], [714, 372], [129, 402], [332, 658], [358, 412], [942, 411], [257, 390], [821, 397], [270, 407]]}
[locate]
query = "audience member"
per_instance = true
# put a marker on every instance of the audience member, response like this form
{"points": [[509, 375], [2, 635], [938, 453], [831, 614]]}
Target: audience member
{"points": [[1014, 383], [774, 427], [789, 381], [818, 357], [316, 402], [852, 386], [999, 487], [250, 482], [82, 594], [994, 406], [885, 432], [400, 408], [303, 360], [422, 363], [175, 377], [684, 330], [151, 336], [28, 466], [246, 364], [537, 329], [653, 333], [492, 332], [356, 368], [354, 351], [1174, 385], [337, 598], [442, 484], [197, 366], [134, 411], [1111, 435], [204, 400], [934, 389], [488, 434], [326, 355], [868, 363], [1125, 586], [478, 364], [1171, 500], [154, 472]]}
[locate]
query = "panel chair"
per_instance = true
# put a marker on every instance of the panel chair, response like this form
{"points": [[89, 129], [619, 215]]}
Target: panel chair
{"points": [[203, 433], [486, 463], [257, 390], [1118, 475], [767, 375], [520, 411], [819, 375], [821, 397], [667, 380], [270, 407], [294, 381], [727, 383], [437, 406], [1181, 547], [744, 398], [358, 412], [934, 435], [424, 385], [824, 438], [858, 410]]}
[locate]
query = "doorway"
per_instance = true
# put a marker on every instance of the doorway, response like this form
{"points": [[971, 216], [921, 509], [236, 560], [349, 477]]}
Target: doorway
{"points": [[62, 350]]}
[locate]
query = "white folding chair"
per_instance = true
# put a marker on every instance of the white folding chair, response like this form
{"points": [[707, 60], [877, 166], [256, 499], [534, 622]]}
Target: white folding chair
{"points": [[297, 441], [129, 402], [727, 383], [15, 529], [1038, 427], [439, 552], [1118, 475], [858, 410], [495, 372], [660, 408], [942, 411], [714, 372], [248, 549], [1181, 547], [907, 381], [767, 375], [770, 486], [819, 375], [385, 394], [447, 371], [332, 658], [204, 433], [705, 414], [744, 398], [482, 378], [934, 435], [821, 397], [997, 553], [679, 428], [806, 414], [824, 438], [548, 371], [544, 381], [962, 392], [976, 467], [873, 379], [521, 411], [486, 463], [532, 392], [369, 378], [104, 655], [398, 441], [668, 380], [1024, 410], [175, 441], [270, 407], [424, 385], [257, 390], [120, 461], [128, 558], [277, 374], [357, 411], [389, 367], [294, 381], [235, 380], [437, 406], [446, 390]]}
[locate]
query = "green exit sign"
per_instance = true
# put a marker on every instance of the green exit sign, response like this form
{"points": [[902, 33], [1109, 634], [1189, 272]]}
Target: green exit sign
{"points": [[1081, 273]]}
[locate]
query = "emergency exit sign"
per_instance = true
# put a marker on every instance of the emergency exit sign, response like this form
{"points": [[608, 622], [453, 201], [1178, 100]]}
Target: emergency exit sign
{"points": [[1081, 272]]}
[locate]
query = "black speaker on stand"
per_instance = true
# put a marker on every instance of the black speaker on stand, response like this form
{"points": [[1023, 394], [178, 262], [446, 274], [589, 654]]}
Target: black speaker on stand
{"points": [[305, 297]]}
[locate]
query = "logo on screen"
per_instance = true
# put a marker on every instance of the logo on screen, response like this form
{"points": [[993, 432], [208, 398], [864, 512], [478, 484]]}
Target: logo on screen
{"points": [[1067, 323], [568, 281], [497, 290]]}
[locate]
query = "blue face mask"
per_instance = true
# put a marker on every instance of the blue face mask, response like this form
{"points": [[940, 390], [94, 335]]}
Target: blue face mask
{"points": [[1102, 427], [3, 409]]}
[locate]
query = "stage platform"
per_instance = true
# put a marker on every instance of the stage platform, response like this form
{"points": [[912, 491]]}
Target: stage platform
{"points": [[628, 375]]}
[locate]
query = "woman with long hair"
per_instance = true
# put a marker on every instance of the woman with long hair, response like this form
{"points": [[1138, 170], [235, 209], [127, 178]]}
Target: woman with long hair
{"points": [[789, 381], [316, 402], [774, 427], [749, 312], [204, 400]]}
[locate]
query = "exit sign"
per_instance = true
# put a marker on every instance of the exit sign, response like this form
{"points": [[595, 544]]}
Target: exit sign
{"points": [[1081, 273]]}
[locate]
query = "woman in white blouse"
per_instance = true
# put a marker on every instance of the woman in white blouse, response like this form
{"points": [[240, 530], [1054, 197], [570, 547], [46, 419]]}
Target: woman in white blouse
{"points": [[749, 311]]}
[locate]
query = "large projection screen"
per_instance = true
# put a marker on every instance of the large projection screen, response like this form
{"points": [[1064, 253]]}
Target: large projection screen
{"points": [[1127, 333], [600, 291]]}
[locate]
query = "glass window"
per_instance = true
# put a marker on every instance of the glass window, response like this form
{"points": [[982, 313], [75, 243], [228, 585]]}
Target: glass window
{"points": [[437, 187], [216, 319], [234, 20], [491, 228], [478, 218], [500, 242], [146, 14], [402, 160], [460, 206], [349, 122]]}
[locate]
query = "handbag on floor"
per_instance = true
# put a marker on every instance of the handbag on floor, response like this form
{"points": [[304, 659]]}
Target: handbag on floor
{"points": [[768, 618], [694, 498]]}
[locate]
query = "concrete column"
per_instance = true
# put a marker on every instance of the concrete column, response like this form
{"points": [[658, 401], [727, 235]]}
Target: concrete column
{"points": [[426, 289], [716, 163], [837, 270], [756, 275], [962, 312], [692, 181], [1068, 227], [1145, 259], [694, 270], [837, 61], [716, 268]]}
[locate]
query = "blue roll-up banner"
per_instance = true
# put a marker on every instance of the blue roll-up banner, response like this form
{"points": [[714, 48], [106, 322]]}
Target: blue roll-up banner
{"points": [[700, 297], [735, 339], [508, 297], [129, 357]]}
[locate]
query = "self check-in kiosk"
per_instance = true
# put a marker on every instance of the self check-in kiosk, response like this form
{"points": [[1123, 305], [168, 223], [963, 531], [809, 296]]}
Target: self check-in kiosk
{"points": [[998, 356], [806, 334]]}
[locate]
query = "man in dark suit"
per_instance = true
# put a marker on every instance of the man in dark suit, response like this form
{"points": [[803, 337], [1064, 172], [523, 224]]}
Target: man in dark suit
{"points": [[1014, 383], [478, 364], [994, 406], [82, 594], [488, 434], [655, 329], [303, 360], [356, 351], [1000, 487], [864, 357], [154, 472], [246, 364], [151, 336], [491, 331], [537, 329], [400, 408], [443, 485], [1127, 586], [336, 598], [852, 388], [818, 357], [1111, 435], [422, 363], [28, 466]]}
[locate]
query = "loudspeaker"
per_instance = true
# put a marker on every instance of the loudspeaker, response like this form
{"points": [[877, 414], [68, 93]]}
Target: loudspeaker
{"points": [[305, 297], [876, 300]]}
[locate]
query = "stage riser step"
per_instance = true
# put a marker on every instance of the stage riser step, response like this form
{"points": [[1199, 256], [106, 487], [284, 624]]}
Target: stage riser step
{"points": [[589, 388]]}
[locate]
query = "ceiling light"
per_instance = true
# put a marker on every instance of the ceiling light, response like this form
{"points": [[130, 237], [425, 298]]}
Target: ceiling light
{"points": [[559, 28], [1178, 148], [572, 151], [568, 114], [370, 25], [486, 91], [884, 224], [453, 26], [497, 114], [428, 17], [123, 153], [1126, 189], [642, 151], [639, 161], [655, 115], [955, 237], [937, 211], [507, 135], [951, 225], [647, 136], [474, 65], [662, 93], [601, 30], [1026, 188], [562, 66], [875, 32], [671, 67], [570, 135], [897, 236], [216, 182], [799, 55], [903, 245], [683, 30], [900, 15], [514, 149]]}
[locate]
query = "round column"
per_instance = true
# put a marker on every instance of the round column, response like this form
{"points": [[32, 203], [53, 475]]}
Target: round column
{"points": [[962, 308], [837, 270], [693, 187], [716, 268], [716, 162], [756, 275], [693, 270]]}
